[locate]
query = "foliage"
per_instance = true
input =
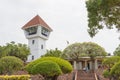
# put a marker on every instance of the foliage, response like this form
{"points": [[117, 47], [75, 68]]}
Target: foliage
{"points": [[115, 71], [73, 51], [64, 65], [78, 50], [47, 69], [10, 64], [47, 66], [1, 51], [103, 13], [106, 73], [11, 49], [111, 61], [93, 49], [15, 77], [117, 51], [53, 53]]}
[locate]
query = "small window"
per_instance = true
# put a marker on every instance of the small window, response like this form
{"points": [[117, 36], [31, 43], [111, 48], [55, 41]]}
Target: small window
{"points": [[41, 46], [33, 41], [32, 57]]}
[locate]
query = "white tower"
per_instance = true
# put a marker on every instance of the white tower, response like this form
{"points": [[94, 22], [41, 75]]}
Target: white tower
{"points": [[37, 32]]}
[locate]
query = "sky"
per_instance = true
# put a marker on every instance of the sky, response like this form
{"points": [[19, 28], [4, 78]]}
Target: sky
{"points": [[67, 18]]}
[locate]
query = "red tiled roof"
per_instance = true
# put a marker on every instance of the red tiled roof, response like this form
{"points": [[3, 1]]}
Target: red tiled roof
{"points": [[36, 21]]}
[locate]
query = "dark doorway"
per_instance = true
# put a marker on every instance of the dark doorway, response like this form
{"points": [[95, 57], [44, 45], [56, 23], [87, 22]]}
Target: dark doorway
{"points": [[88, 66]]}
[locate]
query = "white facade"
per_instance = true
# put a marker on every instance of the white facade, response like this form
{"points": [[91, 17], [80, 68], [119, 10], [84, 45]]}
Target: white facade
{"points": [[37, 36]]}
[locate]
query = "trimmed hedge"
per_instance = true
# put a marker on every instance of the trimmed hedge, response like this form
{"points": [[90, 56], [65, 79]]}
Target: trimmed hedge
{"points": [[64, 65], [15, 77], [47, 68], [10, 64]]}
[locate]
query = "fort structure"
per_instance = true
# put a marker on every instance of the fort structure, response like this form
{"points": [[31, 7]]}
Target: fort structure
{"points": [[37, 32]]}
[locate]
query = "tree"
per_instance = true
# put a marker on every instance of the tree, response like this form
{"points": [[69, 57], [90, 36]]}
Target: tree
{"points": [[93, 50], [64, 65], [53, 53], [10, 64], [78, 50], [2, 54], [73, 51], [103, 13], [117, 51], [11, 49]]}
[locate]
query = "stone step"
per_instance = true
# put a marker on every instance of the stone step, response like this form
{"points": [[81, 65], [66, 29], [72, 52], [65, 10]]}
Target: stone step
{"points": [[82, 75]]}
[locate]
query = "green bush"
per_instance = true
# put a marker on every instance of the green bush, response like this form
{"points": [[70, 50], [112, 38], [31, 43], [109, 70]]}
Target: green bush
{"points": [[10, 64], [48, 68], [64, 65], [115, 70], [15, 77], [106, 73]]}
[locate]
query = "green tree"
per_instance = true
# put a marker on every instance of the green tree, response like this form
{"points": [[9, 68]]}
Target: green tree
{"points": [[2, 53], [93, 50], [10, 64], [11, 49], [117, 51], [64, 65], [73, 51], [103, 13], [78, 50], [53, 53]]}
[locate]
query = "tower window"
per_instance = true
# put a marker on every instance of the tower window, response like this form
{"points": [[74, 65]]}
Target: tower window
{"points": [[41, 46], [44, 32], [32, 30], [32, 57], [33, 41]]}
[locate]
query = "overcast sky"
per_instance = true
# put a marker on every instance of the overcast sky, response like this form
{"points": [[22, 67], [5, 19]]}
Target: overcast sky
{"points": [[67, 18]]}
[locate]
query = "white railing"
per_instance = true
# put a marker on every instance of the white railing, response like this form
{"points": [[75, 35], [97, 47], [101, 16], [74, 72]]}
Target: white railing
{"points": [[96, 76], [76, 75]]}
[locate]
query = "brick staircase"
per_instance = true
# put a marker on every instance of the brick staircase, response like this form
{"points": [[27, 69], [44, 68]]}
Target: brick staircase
{"points": [[99, 73], [66, 76], [82, 75]]}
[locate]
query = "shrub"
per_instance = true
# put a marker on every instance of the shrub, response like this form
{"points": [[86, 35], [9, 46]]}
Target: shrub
{"points": [[115, 70], [15, 77], [64, 65], [9, 64], [106, 73], [48, 68]]}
